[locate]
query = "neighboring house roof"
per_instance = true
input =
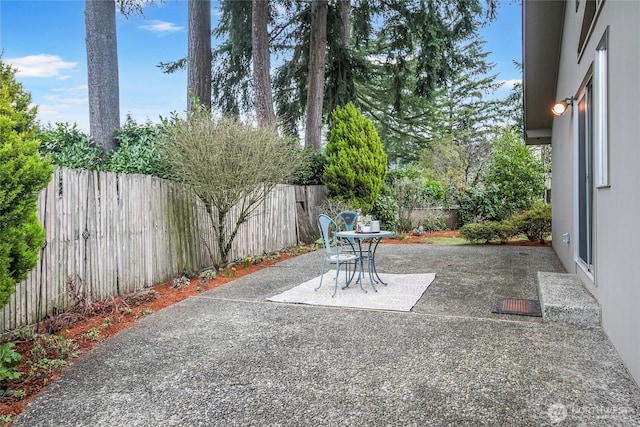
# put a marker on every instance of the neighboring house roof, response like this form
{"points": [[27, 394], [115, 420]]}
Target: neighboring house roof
{"points": [[542, 22]]}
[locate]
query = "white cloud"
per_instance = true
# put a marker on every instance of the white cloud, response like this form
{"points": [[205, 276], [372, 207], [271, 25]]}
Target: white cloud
{"points": [[64, 104], [66, 101], [509, 84], [162, 27], [64, 112], [76, 89], [42, 65]]}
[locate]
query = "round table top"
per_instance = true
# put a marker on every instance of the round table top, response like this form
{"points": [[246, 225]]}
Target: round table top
{"points": [[368, 235]]}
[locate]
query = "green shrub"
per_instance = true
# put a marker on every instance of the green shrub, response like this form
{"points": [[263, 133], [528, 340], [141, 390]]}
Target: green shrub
{"points": [[513, 180], [486, 232], [9, 359], [428, 192], [385, 209], [67, 146], [477, 232], [478, 203], [434, 221], [409, 196], [409, 172], [412, 190], [357, 163], [506, 230], [405, 224], [432, 192], [22, 175], [534, 223], [138, 150], [310, 172]]}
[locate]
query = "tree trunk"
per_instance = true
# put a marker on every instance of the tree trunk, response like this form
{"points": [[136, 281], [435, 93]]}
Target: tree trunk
{"points": [[315, 90], [261, 62], [199, 52], [102, 71], [345, 13]]}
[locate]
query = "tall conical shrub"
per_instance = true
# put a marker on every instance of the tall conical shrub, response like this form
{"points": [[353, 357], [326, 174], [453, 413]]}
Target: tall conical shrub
{"points": [[357, 163], [22, 175]]}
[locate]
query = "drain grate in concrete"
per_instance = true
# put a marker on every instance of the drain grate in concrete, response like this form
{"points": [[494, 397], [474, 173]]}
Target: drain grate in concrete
{"points": [[520, 307]]}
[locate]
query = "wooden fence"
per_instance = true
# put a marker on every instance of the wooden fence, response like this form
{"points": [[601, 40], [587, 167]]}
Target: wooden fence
{"points": [[109, 234]]}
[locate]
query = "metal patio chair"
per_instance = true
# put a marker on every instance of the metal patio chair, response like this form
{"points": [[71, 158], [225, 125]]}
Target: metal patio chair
{"points": [[346, 221], [335, 251]]}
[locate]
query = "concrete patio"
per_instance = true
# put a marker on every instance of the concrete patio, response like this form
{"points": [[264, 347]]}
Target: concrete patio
{"points": [[229, 357]]}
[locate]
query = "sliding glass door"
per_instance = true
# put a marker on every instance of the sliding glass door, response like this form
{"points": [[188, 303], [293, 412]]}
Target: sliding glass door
{"points": [[585, 177]]}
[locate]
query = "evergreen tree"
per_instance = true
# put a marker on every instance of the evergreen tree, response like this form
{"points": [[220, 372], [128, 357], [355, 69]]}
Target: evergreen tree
{"points": [[261, 58], [459, 111], [199, 54], [22, 175], [515, 104], [357, 163], [463, 127], [102, 72], [395, 46], [514, 178], [102, 66], [315, 75]]}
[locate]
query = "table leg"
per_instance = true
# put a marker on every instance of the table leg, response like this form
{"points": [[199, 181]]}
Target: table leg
{"points": [[373, 262], [359, 281], [368, 266]]}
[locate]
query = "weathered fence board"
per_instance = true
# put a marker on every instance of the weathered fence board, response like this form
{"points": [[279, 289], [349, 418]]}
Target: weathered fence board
{"points": [[110, 234]]}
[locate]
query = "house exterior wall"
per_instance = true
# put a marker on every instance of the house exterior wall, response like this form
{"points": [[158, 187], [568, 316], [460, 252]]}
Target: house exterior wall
{"points": [[615, 281]]}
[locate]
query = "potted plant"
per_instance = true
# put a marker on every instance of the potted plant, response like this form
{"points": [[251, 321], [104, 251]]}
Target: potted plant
{"points": [[366, 224]]}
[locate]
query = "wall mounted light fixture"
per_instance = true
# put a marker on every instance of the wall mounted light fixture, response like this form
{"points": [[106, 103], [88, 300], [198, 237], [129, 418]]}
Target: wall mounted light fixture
{"points": [[561, 106]]}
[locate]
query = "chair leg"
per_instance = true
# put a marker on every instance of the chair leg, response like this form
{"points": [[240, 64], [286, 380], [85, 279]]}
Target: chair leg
{"points": [[350, 279], [324, 261], [335, 287]]}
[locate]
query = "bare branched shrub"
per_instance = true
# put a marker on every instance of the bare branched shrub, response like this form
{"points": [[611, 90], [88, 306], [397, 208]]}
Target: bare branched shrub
{"points": [[333, 206], [229, 163]]}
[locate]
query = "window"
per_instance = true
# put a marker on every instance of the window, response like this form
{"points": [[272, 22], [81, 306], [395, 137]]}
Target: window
{"points": [[600, 113], [591, 10]]}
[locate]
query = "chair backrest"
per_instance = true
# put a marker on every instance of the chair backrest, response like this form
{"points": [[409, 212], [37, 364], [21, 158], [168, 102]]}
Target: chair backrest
{"points": [[326, 225], [348, 218]]}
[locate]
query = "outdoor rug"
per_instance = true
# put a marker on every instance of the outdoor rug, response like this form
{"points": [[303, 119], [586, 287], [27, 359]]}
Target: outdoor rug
{"points": [[401, 293]]}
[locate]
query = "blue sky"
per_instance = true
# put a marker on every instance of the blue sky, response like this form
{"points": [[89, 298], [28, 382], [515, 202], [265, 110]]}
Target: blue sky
{"points": [[44, 40]]}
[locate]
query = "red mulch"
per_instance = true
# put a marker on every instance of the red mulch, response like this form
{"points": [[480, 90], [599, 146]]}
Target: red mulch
{"points": [[411, 239]]}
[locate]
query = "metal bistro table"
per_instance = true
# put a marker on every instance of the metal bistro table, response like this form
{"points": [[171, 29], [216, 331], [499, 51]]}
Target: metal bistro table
{"points": [[374, 239]]}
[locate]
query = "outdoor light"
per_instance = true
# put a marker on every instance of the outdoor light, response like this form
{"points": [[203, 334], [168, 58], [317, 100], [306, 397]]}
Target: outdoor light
{"points": [[561, 106]]}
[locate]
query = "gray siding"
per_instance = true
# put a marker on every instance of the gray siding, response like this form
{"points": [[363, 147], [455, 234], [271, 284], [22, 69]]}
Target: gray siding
{"points": [[616, 278]]}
